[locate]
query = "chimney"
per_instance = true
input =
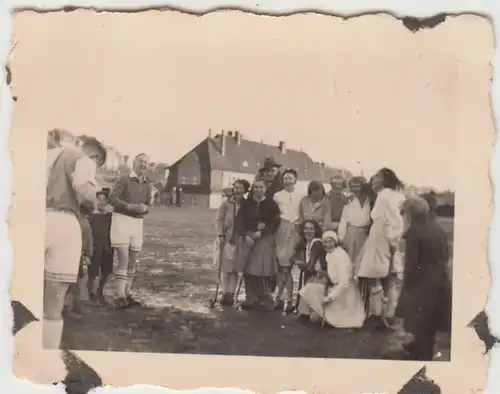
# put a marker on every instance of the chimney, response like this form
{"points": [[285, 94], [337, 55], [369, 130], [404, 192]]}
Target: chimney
{"points": [[237, 137], [282, 146], [223, 142], [230, 133], [209, 133]]}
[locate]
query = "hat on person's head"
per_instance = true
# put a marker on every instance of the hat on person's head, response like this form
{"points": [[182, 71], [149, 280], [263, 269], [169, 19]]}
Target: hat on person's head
{"points": [[330, 234], [270, 162]]}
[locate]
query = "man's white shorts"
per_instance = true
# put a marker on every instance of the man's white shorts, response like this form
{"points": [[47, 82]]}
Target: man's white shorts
{"points": [[126, 231], [63, 246]]}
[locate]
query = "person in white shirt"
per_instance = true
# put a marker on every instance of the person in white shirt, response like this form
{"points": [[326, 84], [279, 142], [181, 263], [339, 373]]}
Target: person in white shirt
{"points": [[335, 299], [380, 259], [71, 184], [287, 236], [355, 220]]}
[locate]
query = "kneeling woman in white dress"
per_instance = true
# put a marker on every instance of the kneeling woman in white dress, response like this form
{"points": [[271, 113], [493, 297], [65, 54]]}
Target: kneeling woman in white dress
{"points": [[338, 301]]}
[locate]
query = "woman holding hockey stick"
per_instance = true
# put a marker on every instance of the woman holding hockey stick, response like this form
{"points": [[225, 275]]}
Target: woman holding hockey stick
{"points": [[225, 219]]}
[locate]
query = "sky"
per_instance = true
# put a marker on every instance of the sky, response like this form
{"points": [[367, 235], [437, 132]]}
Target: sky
{"points": [[317, 84]]}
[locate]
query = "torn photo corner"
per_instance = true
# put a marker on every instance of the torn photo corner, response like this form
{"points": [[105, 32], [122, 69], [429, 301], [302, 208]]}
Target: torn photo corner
{"points": [[230, 193]]}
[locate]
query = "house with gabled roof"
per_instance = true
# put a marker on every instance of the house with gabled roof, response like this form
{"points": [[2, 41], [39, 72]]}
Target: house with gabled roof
{"points": [[216, 162]]}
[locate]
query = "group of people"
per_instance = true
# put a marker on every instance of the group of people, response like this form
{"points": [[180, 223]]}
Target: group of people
{"points": [[85, 226], [348, 251]]}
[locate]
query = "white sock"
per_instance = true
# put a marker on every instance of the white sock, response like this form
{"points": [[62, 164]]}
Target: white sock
{"points": [[52, 333], [121, 287]]}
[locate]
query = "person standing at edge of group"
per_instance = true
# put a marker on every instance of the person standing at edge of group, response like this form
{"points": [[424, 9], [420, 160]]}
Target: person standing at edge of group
{"points": [[256, 224], [131, 199], [337, 200], [102, 260], [380, 259], [316, 206], [424, 291], [287, 236], [71, 183], [225, 219], [354, 226]]}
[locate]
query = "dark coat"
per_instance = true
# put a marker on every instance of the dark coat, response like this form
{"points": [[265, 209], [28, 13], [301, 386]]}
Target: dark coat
{"points": [[425, 299], [273, 187], [318, 255], [252, 213]]}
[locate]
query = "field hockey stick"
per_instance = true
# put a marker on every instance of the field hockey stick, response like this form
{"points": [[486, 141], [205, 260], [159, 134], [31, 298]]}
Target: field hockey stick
{"points": [[219, 269], [323, 315], [240, 278], [301, 283], [386, 288], [282, 285]]}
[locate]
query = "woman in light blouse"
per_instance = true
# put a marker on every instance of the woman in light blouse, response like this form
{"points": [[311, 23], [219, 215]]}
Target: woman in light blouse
{"points": [[287, 236], [354, 227], [316, 206], [355, 220]]}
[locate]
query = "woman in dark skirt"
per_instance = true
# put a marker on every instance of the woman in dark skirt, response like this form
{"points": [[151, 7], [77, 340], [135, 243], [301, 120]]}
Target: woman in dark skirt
{"points": [[309, 257], [424, 292], [256, 224]]}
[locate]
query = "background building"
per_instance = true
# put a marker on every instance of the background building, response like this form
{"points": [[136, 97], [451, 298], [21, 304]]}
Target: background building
{"points": [[216, 162]]}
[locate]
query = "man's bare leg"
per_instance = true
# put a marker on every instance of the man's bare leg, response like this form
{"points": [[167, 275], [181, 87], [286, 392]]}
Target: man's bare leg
{"points": [[54, 294]]}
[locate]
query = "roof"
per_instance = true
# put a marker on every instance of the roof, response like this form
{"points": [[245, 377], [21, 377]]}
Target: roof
{"points": [[248, 157]]}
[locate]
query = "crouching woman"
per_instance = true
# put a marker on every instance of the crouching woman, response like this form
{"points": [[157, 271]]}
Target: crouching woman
{"points": [[337, 300]]}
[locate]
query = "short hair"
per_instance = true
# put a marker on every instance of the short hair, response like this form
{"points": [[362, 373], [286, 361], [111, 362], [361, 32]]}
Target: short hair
{"points": [[92, 142], [416, 208], [358, 179], [290, 171], [243, 182], [314, 186]]}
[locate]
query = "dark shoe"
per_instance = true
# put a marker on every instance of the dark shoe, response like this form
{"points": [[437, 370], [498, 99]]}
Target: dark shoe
{"points": [[132, 301], [248, 305], [227, 299], [100, 299], [279, 304], [122, 303], [93, 297]]}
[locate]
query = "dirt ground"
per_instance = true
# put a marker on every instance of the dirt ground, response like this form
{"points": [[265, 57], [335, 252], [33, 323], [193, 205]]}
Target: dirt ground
{"points": [[176, 279]]}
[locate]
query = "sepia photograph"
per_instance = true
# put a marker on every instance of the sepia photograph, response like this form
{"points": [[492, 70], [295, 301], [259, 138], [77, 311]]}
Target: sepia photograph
{"points": [[242, 188]]}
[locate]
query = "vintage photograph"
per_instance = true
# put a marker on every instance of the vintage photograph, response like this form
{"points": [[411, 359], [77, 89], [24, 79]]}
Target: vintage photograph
{"points": [[248, 198], [232, 192]]}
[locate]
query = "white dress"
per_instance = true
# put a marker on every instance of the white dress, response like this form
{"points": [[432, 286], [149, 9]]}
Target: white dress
{"points": [[345, 310], [386, 229]]}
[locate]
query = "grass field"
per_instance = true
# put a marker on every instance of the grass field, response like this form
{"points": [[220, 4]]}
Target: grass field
{"points": [[176, 279]]}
